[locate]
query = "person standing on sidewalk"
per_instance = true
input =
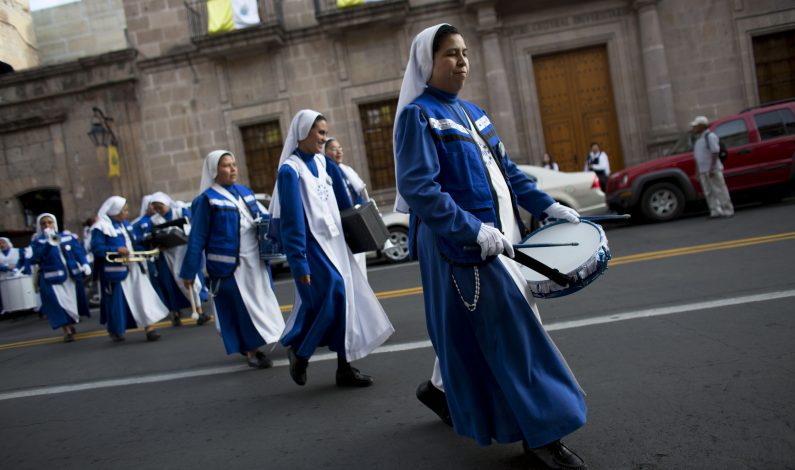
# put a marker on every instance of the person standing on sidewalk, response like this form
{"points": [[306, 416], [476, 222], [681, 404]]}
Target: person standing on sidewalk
{"points": [[710, 169]]}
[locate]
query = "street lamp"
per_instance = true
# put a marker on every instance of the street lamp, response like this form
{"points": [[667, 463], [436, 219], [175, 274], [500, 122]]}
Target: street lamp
{"points": [[101, 134]]}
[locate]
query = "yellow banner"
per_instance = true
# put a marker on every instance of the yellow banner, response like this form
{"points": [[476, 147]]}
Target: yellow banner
{"points": [[349, 3], [219, 16], [114, 168]]}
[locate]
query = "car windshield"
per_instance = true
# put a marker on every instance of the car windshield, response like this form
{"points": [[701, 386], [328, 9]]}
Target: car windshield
{"points": [[683, 145]]}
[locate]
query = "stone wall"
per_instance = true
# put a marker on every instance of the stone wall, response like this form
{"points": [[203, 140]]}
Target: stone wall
{"points": [[45, 114], [81, 29], [18, 45]]}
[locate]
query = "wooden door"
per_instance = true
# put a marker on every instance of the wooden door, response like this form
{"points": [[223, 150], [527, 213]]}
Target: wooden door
{"points": [[575, 96]]}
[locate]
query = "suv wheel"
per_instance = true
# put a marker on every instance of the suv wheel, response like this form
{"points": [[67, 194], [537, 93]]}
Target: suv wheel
{"points": [[400, 238], [662, 202]]}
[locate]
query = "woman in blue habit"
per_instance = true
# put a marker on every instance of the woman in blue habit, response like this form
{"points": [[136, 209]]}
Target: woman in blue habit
{"points": [[224, 230], [504, 379], [62, 265], [334, 304]]}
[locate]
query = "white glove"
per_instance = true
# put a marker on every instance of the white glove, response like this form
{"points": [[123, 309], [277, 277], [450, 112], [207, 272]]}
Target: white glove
{"points": [[86, 270], [492, 242], [559, 211]]}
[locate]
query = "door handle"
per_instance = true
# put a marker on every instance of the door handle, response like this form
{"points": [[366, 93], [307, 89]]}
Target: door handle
{"points": [[744, 152]]}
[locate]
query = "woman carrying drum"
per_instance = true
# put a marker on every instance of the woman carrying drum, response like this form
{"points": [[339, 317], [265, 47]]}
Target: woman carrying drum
{"points": [[62, 265], [128, 298], [170, 261], [352, 191], [504, 379], [224, 230], [334, 305]]}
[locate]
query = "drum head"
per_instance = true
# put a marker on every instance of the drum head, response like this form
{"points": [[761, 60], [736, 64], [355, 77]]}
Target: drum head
{"points": [[565, 258]]}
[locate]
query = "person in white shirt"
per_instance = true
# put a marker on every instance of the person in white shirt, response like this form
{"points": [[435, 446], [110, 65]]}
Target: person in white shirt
{"points": [[598, 162], [710, 169]]}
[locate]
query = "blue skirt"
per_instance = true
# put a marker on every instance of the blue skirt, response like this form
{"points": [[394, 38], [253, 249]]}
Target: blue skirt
{"points": [[237, 330], [56, 315], [320, 321], [504, 378], [118, 317]]}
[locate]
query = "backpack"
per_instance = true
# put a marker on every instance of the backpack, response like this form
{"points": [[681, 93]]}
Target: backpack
{"points": [[723, 151]]}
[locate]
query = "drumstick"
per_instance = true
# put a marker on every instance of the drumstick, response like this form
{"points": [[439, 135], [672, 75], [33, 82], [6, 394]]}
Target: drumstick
{"points": [[545, 245], [194, 315], [553, 274], [595, 218]]}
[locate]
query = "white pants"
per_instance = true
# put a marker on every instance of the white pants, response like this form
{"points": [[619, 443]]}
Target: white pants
{"points": [[716, 194]]}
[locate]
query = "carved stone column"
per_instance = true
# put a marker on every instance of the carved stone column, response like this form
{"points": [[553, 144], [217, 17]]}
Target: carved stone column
{"points": [[655, 67], [500, 105]]}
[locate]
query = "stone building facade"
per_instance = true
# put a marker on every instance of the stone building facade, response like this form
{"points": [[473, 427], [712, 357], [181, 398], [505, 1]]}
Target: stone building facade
{"points": [[553, 74], [17, 36]]}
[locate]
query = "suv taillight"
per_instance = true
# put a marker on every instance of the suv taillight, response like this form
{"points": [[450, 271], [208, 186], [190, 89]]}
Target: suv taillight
{"points": [[595, 184]]}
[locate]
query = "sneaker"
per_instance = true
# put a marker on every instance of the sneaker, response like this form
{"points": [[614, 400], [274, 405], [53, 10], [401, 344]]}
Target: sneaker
{"points": [[203, 318], [259, 361], [176, 320], [297, 367], [68, 338]]}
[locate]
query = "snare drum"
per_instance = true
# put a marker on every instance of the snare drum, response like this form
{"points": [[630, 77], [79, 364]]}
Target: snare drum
{"points": [[18, 293], [583, 263]]}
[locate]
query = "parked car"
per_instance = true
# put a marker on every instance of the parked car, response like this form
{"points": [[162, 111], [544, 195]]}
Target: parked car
{"points": [[761, 146], [578, 190]]}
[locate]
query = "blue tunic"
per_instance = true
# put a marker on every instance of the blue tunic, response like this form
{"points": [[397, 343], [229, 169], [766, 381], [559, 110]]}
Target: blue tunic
{"points": [[141, 228], [503, 376], [237, 330], [46, 255], [320, 321], [172, 296], [113, 309]]}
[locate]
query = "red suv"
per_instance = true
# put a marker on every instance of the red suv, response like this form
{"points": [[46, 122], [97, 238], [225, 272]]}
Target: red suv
{"points": [[761, 145]]}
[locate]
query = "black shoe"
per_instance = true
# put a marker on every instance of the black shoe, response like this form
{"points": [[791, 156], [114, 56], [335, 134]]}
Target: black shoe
{"points": [[556, 456], [351, 377], [297, 367], [68, 338], [152, 335], [117, 337], [176, 320], [203, 318], [436, 400], [259, 360]]}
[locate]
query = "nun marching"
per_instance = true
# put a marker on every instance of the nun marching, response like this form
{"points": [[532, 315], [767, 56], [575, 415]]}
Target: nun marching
{"points": [[503, 378], [334, 305], [170, 261], [62, 265], [128, 299], [224, 230]]}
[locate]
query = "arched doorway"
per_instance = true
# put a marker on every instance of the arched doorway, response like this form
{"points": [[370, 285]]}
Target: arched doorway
{"points": [[38, 201]]}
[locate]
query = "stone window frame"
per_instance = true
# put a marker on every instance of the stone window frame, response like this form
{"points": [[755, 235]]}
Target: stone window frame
{"points": [[757, 25], [278, 110]]}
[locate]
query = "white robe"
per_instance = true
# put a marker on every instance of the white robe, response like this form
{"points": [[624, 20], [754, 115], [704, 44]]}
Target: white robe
{"points": [[366, 323]]}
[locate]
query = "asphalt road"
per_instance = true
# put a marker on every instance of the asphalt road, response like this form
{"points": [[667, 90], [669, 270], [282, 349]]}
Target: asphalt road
{"points": [[685, 348]]}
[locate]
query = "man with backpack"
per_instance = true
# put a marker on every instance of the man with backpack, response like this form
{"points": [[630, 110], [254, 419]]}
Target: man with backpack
{"points": [[706, 152]]}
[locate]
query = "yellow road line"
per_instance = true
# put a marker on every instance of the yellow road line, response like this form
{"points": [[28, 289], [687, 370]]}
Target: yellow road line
{"points": [[391, 294], [689, 250]]}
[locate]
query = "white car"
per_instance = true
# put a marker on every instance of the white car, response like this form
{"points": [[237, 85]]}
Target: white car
{"points": [[578, 190]]}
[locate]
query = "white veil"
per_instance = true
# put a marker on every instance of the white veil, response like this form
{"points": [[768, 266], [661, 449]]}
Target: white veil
{"points": [[299, 130], [415, 79]]}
